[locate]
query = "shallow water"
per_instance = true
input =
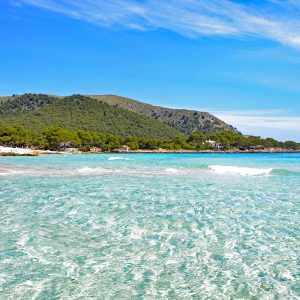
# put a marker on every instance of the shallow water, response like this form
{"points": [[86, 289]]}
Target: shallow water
{"points": [[154, 226]]}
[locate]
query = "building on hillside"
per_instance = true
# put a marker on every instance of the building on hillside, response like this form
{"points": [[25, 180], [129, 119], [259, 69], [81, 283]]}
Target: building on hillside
{"points": [[125, 148], [214, 144]]}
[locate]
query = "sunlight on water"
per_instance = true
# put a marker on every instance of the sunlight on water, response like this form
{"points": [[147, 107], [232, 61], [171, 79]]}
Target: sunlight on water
{"points": [[150, 226]]}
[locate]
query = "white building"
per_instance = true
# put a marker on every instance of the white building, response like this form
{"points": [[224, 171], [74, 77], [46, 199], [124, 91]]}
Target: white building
{"points": [[214, 144]]}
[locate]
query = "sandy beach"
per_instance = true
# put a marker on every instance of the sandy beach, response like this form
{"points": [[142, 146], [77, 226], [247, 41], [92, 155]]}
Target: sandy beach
{"points": [[28, 151], [20, 151]]}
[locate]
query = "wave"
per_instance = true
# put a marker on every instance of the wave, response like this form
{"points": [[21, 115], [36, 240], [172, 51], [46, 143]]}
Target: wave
{"points": [[240, 170], [12, 172], [3, 173], [171, 170], [148, 171], [118, 158], [87, 171]]}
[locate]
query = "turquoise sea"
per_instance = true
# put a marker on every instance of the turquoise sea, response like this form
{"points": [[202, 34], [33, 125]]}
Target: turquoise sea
{"points": [[150, 226]]}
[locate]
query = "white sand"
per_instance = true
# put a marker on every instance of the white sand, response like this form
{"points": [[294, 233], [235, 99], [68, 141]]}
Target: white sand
{"points": [[15, 150]]}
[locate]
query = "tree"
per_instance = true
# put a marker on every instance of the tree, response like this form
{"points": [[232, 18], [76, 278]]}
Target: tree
{"points": [[86, 139], [112, 142], [291, 145], [132, 142], [57, 138]]}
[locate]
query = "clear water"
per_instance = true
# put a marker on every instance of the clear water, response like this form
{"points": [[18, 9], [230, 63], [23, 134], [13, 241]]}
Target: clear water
{"points": [[150, 226]]}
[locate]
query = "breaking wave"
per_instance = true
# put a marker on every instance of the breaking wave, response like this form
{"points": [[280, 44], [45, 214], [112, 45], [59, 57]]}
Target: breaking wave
{"points": [[240, 170], [171, 170], [93, 171], [4, 173], [145, 172], [118, 158]]}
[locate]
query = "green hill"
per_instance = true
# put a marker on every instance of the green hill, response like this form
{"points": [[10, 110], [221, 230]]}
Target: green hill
{"points": [[37, 112], [54, 122], [183, 120]]}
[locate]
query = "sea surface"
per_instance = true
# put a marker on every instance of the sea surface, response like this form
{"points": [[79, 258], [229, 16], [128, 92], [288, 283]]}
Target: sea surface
{"points": [[150, 226]]}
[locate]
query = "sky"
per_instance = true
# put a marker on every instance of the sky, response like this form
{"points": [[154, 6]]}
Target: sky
{"points": [[239, 60]]}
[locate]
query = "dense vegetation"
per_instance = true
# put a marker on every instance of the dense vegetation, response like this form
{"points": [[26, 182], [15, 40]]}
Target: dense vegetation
{"points": [[47, 122], [183, 120], [37, 112], [57, 138]]}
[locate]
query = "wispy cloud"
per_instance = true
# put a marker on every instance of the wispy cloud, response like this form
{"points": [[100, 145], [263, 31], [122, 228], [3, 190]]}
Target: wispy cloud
{"points": [[276, 20], [275, 123]]}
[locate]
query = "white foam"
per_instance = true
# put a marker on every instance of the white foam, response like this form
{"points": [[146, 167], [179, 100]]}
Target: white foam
{"points": [[87, 170], [101, 171], [11, 172], [171, 170], [4, 173], [118, 158], [239, 170]]}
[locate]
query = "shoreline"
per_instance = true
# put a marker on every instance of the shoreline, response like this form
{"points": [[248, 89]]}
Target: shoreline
{"points": [[181, 151], [8, 151], [235, 151]]}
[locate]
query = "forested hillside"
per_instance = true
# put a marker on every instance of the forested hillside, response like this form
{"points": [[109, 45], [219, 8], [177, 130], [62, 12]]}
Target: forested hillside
{"points": [[50, 122], [37, 112], [183, 120]]}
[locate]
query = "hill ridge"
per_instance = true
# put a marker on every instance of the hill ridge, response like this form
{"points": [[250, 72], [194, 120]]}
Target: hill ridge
{"points": [[77, 112], [184, 120]]}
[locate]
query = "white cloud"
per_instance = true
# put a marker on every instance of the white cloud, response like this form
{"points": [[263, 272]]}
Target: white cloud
{"points": [[265, 123], [276, 20]]}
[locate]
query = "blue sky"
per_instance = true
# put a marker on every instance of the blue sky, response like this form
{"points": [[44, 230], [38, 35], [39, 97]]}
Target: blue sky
{"points": [[237, 59]]}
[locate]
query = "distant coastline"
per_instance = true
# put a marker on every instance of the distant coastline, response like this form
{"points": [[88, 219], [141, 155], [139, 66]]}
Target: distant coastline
{"points": [[42, 124], [8, 151]]}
